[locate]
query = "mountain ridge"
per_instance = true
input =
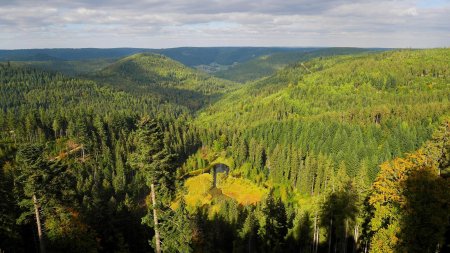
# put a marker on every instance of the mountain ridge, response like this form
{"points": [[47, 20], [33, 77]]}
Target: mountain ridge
{"points": [[158, 75]]}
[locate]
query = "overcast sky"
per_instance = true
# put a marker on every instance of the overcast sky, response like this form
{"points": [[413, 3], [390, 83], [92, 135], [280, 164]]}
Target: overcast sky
{"points": [[174, 23]]}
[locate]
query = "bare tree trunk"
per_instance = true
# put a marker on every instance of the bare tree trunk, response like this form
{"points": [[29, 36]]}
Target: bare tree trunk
{"points": [[38, 224], [356, 235], [155, 219], [314, 234], [317, 235], [331, 234]]}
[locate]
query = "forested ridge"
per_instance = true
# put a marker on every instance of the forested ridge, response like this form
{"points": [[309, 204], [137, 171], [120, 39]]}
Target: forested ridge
{"points": [[268, 64], [347, 153], [164, 79]]}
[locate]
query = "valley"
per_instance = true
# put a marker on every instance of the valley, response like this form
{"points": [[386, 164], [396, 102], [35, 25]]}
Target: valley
{"points": [[229, 149]]}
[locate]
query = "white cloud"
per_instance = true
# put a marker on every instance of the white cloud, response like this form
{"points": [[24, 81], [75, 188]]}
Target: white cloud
{"points": [[170, 23], [409, 12]]}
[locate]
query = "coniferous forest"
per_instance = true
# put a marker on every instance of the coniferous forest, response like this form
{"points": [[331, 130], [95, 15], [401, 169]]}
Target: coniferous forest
{"points": [[225, 150]]}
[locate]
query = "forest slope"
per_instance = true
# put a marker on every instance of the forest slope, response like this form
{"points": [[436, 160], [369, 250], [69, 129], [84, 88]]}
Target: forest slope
{"points": [[165, 79], [303, 147], [356, 110], [267, 65], [80, 134]]}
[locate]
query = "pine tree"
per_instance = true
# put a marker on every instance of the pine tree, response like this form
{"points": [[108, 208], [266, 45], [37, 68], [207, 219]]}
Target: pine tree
{"points": [[338, 213], [176, 229], [249, 233], [275, 225], [157, 164], [32, 172]]}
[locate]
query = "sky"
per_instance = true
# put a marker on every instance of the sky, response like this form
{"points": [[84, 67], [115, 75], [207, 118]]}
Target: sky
{"points": [[202, 23]]}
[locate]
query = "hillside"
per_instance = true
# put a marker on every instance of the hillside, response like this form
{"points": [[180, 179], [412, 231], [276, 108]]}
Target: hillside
{"points": [[268, 64], [226, 56], [338, 152], [66, 54], [69, 68], [232, 63], [165, 79], [76, 128], [360, 110], [332, 86], [30, 90]]}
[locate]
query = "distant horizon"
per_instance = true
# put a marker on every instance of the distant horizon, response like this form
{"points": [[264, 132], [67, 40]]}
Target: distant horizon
{"points": [[162, 48]]}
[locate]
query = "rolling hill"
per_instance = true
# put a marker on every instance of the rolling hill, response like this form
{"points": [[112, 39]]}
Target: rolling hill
{"points": [[233, 63], [297, 157], [66, 54], [163, 78], [384, 104], [70, 68], [267, 65]]}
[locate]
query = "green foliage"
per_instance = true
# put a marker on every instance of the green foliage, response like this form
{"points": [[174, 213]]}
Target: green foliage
{"points": [[267, 65], [163, 79], [70, 68], [312, 136], [409, 195], [338, 215], [274, 226], [177, 230], [331, 112], [157, 164], [152, 158]]}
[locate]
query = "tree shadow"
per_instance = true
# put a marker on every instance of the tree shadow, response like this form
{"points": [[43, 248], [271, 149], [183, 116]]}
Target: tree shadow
{"points": [[337, 216], [425, 223], [301, 237], [212, 235]]}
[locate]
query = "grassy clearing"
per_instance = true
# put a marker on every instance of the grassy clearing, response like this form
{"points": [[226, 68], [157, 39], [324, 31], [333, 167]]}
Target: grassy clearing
{"points": [[242, 190], [198, 189], [200, 193]]}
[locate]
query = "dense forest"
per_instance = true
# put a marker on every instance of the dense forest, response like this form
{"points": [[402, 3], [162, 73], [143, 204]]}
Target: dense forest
{"points": [[284, 150]]}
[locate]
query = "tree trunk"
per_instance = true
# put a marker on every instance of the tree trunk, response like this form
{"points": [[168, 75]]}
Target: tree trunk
{"points": [[331, 234], [356, 235], [316, 236], [155, 219], [38, 224]]}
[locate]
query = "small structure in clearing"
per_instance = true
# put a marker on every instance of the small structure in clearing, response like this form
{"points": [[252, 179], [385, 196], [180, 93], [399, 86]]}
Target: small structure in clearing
{"points": [[219, 168]]}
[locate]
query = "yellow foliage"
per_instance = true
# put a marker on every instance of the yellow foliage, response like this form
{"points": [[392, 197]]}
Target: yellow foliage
{"points": [[198, 190], [389, 200], [390, 181], [242, 190]]}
